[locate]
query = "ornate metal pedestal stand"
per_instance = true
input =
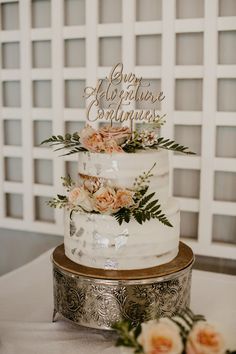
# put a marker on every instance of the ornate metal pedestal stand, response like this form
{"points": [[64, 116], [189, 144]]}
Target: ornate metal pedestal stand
{"points": [[97, 298]]}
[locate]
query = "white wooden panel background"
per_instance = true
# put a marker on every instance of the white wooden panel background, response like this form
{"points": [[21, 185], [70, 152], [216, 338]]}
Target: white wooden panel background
{"points": [[51, 49]]}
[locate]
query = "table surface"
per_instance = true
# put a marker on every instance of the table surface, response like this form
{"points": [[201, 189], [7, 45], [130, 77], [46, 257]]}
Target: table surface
{"points": [[26, 306]]}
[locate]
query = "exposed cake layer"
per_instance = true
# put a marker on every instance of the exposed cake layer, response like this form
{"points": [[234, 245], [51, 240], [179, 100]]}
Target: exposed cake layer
{"points": [[122, 169], [98, 241]]}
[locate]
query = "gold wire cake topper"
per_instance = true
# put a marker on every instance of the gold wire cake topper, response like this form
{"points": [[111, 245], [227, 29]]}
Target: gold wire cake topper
{"points": [[119, 90]]}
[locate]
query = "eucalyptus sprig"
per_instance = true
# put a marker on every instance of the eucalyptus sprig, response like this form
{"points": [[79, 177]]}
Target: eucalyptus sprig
{"points": [[143, 180]]}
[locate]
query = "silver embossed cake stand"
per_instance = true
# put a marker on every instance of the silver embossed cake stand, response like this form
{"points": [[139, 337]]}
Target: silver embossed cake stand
{"points": [[98, 298]]}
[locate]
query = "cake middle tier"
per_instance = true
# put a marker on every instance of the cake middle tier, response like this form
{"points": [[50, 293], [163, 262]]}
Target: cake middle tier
{"points": [[98, 241], [121, 169]]}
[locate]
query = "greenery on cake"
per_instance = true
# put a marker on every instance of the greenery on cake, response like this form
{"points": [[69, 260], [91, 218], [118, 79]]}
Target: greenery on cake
{"points": [[112, 139], [98, 195], [144, 207], [185, 333]]}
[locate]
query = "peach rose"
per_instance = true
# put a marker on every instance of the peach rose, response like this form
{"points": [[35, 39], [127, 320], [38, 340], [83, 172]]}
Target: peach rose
{"points": [[79, 196], [94, 143], [86, 132], [91, 183], [119, 134], [74, 195], [91, 140], [111, 146], [104, 200], [205, 339], [124, 198], [161, 337]]}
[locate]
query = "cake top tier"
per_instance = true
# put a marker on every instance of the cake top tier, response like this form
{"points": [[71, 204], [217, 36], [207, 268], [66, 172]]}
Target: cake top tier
{"points": [[114, 100]]}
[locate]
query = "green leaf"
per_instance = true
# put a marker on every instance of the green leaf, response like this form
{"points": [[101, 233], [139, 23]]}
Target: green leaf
{"points": [[156, 208], [171, 145], [75, 151], [71, 213], [151, 204], [61, 197], [143, 191], [138, 216], [123, 214], [137, 330], [69, 141], [146, 199], [127, 216]]}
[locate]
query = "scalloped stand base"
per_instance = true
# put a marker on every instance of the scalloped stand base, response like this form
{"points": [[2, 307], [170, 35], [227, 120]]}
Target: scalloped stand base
{"points": [[98, 298]]}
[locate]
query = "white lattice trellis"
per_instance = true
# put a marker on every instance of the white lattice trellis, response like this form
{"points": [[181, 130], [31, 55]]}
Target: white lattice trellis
{"points": [[56, 76]]}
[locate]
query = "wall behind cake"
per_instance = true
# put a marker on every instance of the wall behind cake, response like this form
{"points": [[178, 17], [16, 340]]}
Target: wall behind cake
{"points": [[50, 50]]}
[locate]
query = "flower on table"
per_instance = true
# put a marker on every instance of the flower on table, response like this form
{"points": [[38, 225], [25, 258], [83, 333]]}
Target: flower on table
{"points": [[160, 337], [185, 333], [204, 338]]}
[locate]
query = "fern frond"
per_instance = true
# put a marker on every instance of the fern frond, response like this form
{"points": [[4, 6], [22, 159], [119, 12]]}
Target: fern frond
{"points": [[69, 141], [145, 199], [168, 144], [122, 215], [75, 150]]}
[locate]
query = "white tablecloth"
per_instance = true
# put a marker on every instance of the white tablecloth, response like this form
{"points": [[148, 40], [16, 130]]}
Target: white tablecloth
{"points": [[26, 306]]}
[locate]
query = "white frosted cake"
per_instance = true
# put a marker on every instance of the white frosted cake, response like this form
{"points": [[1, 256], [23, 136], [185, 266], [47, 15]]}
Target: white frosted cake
{"points": [[119, 213], [98, 241]]}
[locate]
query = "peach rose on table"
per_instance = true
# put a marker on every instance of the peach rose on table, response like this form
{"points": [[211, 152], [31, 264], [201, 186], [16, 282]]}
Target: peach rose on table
{"points": [[160, 337], [205, 339], [124, 198], [104, 200], [118, 134], [79, 196]]}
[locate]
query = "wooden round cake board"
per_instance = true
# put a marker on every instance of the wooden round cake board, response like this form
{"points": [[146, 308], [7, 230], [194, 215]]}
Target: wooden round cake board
{"points": [[183, 260]]}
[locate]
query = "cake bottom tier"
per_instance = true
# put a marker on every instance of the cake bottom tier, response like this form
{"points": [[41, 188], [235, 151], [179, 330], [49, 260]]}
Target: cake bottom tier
{"points": [[98, 241], [98, 298]]}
